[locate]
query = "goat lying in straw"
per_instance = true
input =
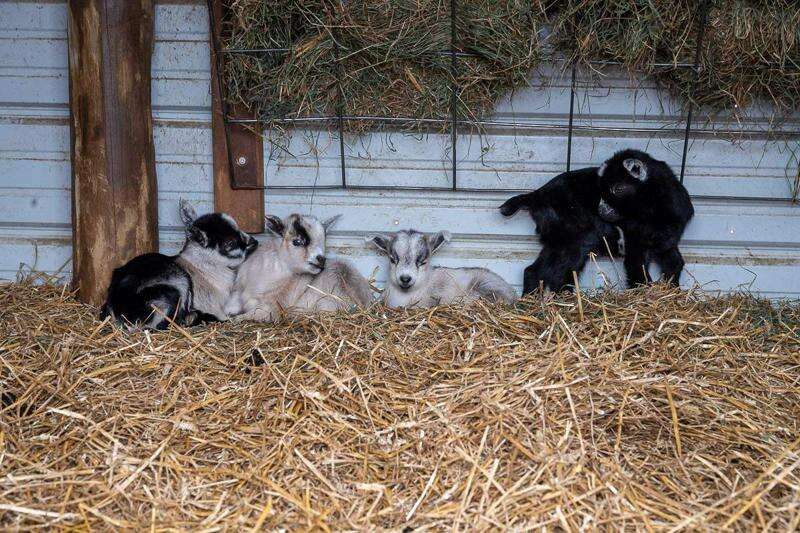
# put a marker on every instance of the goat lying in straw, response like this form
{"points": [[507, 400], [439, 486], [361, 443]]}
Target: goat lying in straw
{"points": [[414, 283], [188, 288], [290, 273]]}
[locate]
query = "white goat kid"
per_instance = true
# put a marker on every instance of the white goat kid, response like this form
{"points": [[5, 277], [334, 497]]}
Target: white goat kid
{"points": [[289, 273], [414, 283]]}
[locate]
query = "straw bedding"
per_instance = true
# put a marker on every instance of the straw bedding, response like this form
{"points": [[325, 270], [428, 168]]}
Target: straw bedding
{"points": [[649, 410]]}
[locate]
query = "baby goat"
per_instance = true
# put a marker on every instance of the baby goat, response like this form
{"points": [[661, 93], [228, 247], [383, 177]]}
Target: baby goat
{"points": [[569, 228], [289, 273], [189, 287], [414, 283], [646, 200]]}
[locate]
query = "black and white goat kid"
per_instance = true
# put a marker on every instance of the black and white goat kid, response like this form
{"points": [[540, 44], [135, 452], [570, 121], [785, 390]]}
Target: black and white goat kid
{"points": [[644, 198], [190, 287], [569, 228]]}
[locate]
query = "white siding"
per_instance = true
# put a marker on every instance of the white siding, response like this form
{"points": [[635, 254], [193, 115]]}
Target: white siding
{"points": [[746, 234]]}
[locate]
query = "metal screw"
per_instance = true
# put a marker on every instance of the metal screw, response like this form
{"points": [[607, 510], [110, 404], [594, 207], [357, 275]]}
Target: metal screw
{"points": [[241, 161]]}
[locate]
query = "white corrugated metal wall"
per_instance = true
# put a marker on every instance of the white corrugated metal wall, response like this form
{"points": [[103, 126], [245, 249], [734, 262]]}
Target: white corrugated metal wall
{"points": [[746, 234]]}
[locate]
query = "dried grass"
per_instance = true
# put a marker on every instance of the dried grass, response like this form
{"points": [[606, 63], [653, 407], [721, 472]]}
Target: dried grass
{"points": [[658, 410], [377, 58], [384, 57], [750, 54]]}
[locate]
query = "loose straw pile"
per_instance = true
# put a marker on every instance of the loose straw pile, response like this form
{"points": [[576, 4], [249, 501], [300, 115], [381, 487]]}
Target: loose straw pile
{"points": [[658, 410]]}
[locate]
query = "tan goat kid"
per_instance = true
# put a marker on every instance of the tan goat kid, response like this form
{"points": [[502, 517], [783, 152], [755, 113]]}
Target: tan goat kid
{"points": [[289, 273]]}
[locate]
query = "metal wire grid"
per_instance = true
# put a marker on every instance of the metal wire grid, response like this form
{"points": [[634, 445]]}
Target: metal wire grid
{"points": [[454, 122]]}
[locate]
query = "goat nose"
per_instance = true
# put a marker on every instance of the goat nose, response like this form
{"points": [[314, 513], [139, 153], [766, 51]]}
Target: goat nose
{"points": [[321, 260], [405, 279]]}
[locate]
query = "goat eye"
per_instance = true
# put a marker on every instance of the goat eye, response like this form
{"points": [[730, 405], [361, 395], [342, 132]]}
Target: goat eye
{"points": [[298, 242]]}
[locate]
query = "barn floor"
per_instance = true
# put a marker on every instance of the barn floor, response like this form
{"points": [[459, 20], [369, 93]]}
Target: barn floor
{"points": [[650, 410]]}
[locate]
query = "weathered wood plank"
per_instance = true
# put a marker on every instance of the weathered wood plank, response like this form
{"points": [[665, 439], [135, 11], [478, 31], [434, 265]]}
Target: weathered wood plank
{"points": [[247, 155], [114, 191]]}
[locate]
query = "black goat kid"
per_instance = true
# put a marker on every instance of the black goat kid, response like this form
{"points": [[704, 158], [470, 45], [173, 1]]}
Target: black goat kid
{"points": [[644, 198], [565, 211]]}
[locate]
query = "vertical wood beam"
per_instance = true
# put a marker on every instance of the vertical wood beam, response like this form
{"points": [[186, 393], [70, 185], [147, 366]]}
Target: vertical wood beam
{"points": [[245, 164], [114, 190]]}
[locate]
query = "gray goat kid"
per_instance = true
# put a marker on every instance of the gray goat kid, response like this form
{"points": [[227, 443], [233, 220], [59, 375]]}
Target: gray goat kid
{"points": [[290, 273], [414, 283]]}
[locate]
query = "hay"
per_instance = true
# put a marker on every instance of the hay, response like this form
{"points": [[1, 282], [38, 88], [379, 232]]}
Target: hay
{"points": [[657, 410], [750, 54], [383, 57]]}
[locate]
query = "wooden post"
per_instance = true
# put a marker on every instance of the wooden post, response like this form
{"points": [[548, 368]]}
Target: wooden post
{"points": [[247, 151], [114, 191]]}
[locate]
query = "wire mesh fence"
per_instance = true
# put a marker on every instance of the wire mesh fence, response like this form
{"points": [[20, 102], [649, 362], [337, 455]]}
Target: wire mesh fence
{"points": [[462, 125]]}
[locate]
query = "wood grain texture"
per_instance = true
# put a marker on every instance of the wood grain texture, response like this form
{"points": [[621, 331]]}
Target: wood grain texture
{"points": [[114, 192], [244, 205]]}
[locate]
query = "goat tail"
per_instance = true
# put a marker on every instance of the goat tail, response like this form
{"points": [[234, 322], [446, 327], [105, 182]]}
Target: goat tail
{"points": [[514, 204]]}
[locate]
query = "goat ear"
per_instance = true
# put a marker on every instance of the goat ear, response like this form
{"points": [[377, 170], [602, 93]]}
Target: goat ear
{"points": [[330, 222], [382, 242], [275, 225], [636, 168], [197, 235], [438, 240], [188, 214]]}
